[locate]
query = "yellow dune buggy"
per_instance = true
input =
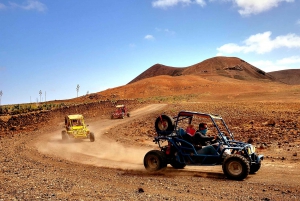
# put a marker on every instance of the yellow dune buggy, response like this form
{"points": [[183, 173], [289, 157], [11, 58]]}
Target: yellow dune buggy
{"points": [[75, 128]]}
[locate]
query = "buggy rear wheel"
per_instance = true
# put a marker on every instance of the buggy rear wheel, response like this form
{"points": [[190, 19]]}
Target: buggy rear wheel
{"points": [[236, 167], [64, 136], [155, 160], [128, 114], [92, 137], [164, 125]]}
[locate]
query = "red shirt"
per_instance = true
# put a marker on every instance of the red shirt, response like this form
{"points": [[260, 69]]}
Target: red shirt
{"points": [[190, 131]]}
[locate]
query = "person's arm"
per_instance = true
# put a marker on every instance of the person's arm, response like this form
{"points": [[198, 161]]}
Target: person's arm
{"points": [[204, 137]]}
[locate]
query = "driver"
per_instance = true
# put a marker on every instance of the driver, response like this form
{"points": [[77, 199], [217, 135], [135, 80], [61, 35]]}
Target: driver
{"points": [[200, 136]]}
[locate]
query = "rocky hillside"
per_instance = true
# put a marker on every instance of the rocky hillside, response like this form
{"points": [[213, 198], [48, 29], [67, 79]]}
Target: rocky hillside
{"points": [[158, 69], [291, 76], [231, 67]]}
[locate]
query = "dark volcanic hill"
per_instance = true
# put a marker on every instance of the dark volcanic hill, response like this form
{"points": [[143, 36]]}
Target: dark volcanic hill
{"points": [[232, 67], [158, 69], [291, 76]]}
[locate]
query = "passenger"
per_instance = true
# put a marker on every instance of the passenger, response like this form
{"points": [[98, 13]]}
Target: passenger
{"points": [[191, 130]]}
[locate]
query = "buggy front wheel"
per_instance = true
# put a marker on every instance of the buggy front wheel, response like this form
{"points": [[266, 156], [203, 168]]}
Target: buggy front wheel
{"points": [[155, 160], [92, 137], [236, 167], [255, 167]]}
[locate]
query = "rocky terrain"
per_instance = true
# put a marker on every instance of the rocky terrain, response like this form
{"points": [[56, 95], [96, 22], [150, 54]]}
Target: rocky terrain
{"points": [[29, 174]]}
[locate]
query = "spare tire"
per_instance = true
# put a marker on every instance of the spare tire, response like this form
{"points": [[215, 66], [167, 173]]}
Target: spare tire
{"points": [[164, 125]]}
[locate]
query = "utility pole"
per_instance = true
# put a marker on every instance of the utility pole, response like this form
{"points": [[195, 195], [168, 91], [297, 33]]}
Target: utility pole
{"points": [[77, 89], [40, 95], [1, 93]]}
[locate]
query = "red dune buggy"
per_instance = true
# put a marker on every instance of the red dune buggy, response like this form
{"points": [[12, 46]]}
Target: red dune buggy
{"points": [[120, 112]]}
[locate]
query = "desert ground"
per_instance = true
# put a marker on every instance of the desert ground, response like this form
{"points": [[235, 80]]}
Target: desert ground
{"points": [[39, 166]]}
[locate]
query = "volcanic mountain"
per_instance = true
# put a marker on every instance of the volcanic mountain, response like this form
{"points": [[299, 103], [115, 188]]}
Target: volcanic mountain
{"points": [[231, 67], [218, 78]]}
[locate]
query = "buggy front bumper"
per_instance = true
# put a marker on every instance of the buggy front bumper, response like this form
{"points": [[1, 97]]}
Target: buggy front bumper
{"points": [[79, 134], [259, 158]]}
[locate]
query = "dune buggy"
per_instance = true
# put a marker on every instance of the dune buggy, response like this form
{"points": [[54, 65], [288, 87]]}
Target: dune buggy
{"points": [[75, 128], [237, 159], [120, 112]]}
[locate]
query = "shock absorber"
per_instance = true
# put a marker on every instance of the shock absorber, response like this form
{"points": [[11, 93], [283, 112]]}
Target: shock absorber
{"points": [[168, 151]]}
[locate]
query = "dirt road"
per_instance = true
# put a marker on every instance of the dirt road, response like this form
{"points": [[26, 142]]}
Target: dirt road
{"points": [[39, 166], [104, 152]]}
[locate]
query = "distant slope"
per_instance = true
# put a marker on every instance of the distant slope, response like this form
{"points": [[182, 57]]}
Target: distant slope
{"points": [[231, 67], [195, 88], [291, 76], [158, 69]]}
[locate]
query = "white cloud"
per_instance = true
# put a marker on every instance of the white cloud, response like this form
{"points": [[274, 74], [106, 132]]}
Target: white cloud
{"points": [[245, 7], [167, 31], [30, 5], [289, 60], [200, 2], [230, 48], [261, 43], [169, 3], [268, 66], [149, 37], [248, 7], [282, 64]]}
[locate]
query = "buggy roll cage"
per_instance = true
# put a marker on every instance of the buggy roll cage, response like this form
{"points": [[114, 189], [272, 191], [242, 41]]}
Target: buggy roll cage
{"points": [[182, 115], [189, 115]]}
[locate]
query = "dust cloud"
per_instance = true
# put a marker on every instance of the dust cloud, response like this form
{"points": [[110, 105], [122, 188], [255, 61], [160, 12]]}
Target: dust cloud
{"points": [[103, 152]]}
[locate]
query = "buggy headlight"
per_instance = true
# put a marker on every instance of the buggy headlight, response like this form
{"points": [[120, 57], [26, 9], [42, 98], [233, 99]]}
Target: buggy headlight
{"points": [[251, 149]]}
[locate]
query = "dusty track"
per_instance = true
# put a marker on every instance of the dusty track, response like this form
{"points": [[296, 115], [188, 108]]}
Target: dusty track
{"points": [[104, 152]]}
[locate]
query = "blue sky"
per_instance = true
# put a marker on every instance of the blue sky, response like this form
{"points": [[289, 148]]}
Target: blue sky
{"points": [[52, 46]]}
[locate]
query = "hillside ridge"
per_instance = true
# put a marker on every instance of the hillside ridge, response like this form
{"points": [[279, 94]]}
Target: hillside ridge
{"points": [[231, 67], [289, 76]]}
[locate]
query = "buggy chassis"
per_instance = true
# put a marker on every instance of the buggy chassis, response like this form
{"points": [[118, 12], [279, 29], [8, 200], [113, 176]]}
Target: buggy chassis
{"points": [[238, 159]]}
